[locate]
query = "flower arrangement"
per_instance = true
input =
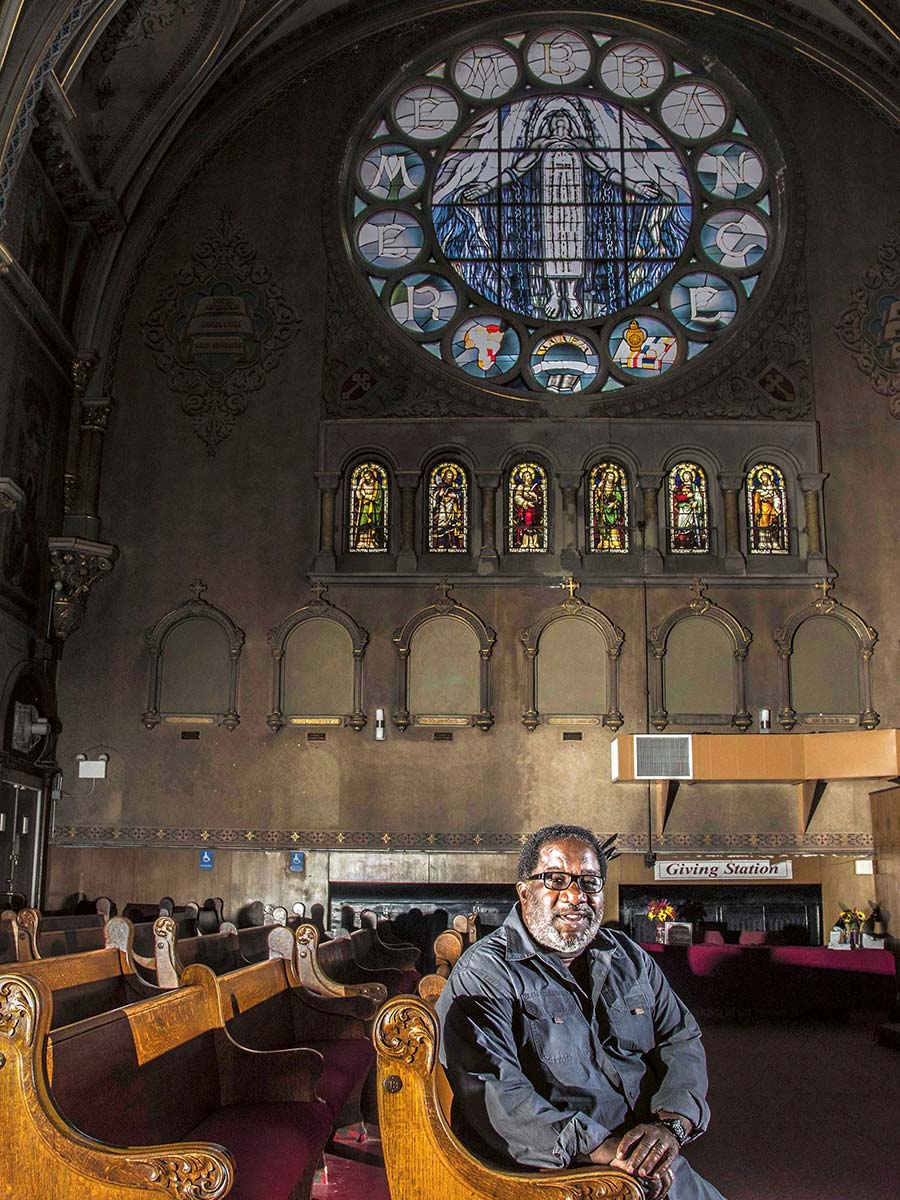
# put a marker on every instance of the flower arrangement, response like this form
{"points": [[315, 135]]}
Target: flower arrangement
{"points": [[850, 917], [661, 910]]}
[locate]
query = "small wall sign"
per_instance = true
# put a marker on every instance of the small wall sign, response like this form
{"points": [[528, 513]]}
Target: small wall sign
{"points": [[720, 870], [207, 859], [298, 860]]}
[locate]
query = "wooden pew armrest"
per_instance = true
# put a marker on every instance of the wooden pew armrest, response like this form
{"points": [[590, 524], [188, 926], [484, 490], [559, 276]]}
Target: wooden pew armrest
{"points": [[259, 1076], [326, 1017], [43, 1155]]}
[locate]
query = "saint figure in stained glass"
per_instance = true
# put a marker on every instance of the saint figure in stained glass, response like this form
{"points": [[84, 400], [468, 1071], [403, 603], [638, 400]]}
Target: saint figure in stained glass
{"points": [[688, 510], [609, 509], [368, 508], [562, 206], [448, 507], [527, 509], [767, 510]]}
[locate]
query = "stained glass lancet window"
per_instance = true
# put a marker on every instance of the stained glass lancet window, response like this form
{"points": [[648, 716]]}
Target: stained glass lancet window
{"points": [[767, 510], [369, 495], [609, 509], [448, 509], [564, 209], [688, 509], [527, 509]]}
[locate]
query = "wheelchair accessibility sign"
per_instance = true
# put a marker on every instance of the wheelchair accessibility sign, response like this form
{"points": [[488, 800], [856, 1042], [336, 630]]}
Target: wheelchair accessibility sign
{"points": [[298, 860], [207, 858]]}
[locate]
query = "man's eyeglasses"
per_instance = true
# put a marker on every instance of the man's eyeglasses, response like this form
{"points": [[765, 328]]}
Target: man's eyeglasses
{"points": [[561, 881]]}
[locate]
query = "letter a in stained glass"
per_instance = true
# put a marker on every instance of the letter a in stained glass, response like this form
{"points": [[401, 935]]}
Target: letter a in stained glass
{"points": [[448, 509], [609, 509], [688, 510], [527, 509], [368, 526], [767, 510]]}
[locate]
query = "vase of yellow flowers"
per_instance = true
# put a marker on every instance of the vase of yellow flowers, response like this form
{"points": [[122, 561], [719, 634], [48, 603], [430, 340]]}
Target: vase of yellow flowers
{"points": [[850, 920], [660, 911]]}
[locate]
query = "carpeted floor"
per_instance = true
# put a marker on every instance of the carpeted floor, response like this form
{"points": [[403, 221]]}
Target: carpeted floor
{"points": [[801, 1111]]}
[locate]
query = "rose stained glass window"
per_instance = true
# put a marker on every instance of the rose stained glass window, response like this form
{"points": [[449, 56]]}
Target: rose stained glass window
{"points": [[369, 492], [767, 510], [448, 509], [688, 509], [564, 210], [609, 532], [527, 509]]}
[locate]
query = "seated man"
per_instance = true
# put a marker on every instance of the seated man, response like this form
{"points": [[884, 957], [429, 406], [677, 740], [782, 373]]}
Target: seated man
{"points": [[563, 1042]]}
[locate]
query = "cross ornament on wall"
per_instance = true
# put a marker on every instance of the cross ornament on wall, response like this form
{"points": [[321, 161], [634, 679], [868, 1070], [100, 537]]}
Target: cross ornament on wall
{"points": [[824, 586], [319, 589], [445, 587], [698, 587], [198, 587], [571, 584]]}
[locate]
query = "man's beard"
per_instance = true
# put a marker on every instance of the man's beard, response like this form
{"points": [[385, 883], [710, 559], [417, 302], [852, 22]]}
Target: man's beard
{"points": [[540, 926]]}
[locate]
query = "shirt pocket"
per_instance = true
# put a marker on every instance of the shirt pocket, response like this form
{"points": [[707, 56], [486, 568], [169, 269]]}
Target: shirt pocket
{"points": [[631, 1021], [554, 1025]]}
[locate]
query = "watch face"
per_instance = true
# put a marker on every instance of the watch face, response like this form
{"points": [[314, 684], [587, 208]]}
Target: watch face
{"points": [[677, 1127]]}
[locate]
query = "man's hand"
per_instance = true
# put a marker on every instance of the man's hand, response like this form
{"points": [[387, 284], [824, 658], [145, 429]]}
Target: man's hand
{"points": [[647, 1150]]}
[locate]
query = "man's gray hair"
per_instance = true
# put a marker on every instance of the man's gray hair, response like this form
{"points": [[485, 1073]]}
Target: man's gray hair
{"points": [[557, 833]]}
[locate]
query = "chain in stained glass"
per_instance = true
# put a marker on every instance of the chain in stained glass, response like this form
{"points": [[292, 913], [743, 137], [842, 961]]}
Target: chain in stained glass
{"points": [[569, 210], [367, 531], [609, 509], [527, 509], [448, 509], [688, 509], [767, 510]]}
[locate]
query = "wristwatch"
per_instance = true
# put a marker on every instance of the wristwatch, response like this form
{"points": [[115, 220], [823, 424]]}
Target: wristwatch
{"points": [[677, 1126]]}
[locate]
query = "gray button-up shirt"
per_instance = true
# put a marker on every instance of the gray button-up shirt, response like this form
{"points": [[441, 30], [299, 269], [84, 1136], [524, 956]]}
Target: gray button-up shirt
{"points": [[538, 1083]]}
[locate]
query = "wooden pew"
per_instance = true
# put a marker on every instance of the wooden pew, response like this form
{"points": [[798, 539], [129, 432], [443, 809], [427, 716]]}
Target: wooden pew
{"points": [[151, 1101], [225, 951], [84, 985], [448, 946], [314, 964], [264, 1007], [344, 958], [423, 1158], [373, 954]]}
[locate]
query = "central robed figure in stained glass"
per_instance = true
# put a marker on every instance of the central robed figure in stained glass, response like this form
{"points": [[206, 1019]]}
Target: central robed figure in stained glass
{"points": [[562, 207], [609, 509], [448, 509], [527, 509]]}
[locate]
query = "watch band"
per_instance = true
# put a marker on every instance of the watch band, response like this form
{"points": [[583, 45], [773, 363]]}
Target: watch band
{"points": [[675, 1126]]}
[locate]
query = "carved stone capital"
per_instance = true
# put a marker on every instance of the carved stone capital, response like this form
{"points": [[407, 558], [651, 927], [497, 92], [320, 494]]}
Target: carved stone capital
{"points": [[650, 480], [95, 414], [11, 495], [812, 481], [75, 564], [83, 366], [731, 482]]}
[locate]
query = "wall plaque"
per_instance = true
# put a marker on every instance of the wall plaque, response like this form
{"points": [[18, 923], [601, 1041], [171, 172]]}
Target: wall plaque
{"points": [[720, 870]]}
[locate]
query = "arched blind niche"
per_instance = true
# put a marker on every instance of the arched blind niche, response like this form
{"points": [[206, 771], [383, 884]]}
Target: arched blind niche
{"points": [[444, 667], [699, 655], [194, 654], [697, 671], [572, 670], [444, 671], [194, 668], [824, 675], [318, 671], [317, 660], [825, 652]]}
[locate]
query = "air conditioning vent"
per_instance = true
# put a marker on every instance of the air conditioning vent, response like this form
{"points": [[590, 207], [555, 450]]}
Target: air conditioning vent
{"points": [[662, 756]]}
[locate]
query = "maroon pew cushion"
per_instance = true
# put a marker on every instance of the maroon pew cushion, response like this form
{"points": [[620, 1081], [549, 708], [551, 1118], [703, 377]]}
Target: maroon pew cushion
{"points": [[347, 1062], [272, 1144], [405, 984]]}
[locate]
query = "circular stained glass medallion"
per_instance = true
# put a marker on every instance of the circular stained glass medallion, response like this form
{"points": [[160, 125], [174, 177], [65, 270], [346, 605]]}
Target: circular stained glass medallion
{"points": [[551, 209]]}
